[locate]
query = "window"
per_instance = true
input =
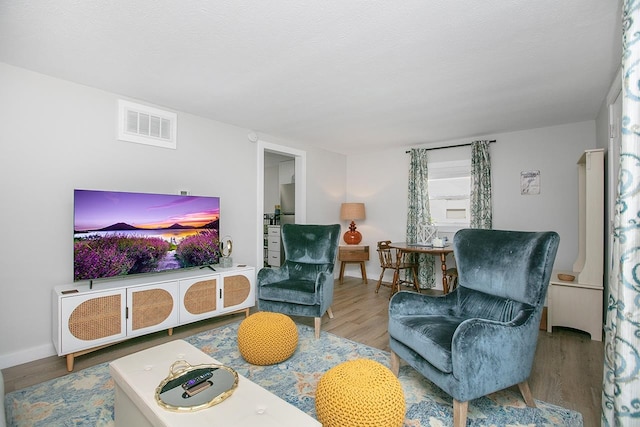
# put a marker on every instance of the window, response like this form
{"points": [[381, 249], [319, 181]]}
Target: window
{"points": [[449, 194]]}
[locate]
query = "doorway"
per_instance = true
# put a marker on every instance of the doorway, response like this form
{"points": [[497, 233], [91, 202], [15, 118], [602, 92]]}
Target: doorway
{"points": [[268, 154]]}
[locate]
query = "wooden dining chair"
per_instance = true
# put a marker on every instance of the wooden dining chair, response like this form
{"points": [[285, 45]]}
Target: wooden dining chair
{"points": [[396, 260], [451, 276]]}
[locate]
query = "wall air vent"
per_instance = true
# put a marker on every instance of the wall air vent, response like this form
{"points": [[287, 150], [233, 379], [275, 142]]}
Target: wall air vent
{"points": [[146, 125]]}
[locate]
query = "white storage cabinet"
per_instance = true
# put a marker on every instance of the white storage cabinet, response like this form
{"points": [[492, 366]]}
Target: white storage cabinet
{"points": [[578, 304], [274, 246]]}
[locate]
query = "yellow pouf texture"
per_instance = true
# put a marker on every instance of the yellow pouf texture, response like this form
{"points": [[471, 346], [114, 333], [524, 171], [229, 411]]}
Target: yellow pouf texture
{"points": [[359, 393], [266, 338]]}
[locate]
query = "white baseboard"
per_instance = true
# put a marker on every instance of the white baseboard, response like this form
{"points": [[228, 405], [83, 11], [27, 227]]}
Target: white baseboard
{"points": [[28, 355]]}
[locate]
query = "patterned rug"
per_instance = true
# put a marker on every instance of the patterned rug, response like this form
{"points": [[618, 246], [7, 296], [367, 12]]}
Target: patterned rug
{"points": [[85, 398]]}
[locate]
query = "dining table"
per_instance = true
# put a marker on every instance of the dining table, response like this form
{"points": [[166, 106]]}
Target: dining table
{"points": [[443, 251]]}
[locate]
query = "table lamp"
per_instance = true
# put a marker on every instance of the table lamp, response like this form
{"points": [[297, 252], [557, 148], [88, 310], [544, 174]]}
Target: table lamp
{"points": [[351, 212]]}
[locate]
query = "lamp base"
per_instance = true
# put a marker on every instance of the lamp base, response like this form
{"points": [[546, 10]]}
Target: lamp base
{"points": [[352, 237]]}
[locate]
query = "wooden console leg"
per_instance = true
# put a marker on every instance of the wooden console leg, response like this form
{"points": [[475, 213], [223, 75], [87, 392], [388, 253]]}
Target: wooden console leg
{"points": [[170, 331], [70, 358], [363, 270], [341, 276]]}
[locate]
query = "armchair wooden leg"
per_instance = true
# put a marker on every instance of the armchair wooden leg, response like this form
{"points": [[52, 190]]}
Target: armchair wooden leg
{"points": [[526, 394], [395, 363], [460, 413], [317, 321]]}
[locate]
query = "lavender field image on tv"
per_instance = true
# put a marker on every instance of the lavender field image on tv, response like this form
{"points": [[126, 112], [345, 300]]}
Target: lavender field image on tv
{"points": [[120, 233]]}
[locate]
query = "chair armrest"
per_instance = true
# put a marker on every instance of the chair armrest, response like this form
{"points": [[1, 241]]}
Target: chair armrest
{"points": [[490, 351], [324, 287], [405, 303], [267, 276]]}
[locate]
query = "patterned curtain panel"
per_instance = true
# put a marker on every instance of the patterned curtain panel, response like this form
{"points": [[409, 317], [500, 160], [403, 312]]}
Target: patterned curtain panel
{"points": [[480, 215], [419, 213], [621, 384]]}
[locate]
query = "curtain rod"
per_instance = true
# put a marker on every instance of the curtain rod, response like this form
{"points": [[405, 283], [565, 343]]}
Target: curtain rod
{"points": [[451, 146]]}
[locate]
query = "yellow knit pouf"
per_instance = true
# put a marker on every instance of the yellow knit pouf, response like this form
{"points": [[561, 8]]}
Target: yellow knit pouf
{"points": [[266, 338], [359, 393]]}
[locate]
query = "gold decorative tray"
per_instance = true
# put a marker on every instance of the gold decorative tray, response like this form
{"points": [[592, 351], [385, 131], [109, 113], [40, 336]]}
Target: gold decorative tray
{"points": [[190, 388]]}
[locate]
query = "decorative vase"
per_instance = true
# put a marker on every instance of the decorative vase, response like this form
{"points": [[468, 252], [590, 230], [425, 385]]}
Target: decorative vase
{"points": [[425, 233], [352, 236], [226, 247]]}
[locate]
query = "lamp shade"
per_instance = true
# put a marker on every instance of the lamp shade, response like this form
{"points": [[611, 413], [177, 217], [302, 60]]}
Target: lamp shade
{"points": [[352, 211]]}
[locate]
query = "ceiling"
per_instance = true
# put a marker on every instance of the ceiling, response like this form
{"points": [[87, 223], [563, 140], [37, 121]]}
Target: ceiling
{"points": [[345, 75]]}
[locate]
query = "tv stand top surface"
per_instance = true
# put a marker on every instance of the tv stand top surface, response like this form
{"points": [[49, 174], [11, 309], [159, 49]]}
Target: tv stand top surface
{"points": [[143, 279]]}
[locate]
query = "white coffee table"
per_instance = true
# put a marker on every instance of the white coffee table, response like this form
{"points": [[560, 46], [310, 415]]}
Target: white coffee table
{"points": [[136, 377]]}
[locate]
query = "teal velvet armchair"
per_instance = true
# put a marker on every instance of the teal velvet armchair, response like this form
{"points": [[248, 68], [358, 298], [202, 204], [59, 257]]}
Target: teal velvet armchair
{"points": [[481, 337], [303, 285]]}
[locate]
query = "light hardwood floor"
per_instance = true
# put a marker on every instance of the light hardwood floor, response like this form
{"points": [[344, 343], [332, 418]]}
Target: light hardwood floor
{"points": [[567, 370]]}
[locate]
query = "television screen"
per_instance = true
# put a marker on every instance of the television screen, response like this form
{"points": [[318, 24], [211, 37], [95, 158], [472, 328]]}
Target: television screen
{"points": [[120, 233]]}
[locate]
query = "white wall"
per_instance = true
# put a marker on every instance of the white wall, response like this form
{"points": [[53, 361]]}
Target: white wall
{"points": [[271, 189], [326, 175], [58, 136], [380, 181]]}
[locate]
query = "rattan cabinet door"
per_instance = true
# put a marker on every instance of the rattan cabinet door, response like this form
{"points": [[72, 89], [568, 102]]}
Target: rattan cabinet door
{"points": [[152, 308], [92, 320], [237, 289], [199, 298]]}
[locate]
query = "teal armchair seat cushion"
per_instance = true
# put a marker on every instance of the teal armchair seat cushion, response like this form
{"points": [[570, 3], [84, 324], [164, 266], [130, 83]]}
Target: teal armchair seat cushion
{"points": [[433, 333], [296, 288], [481, 337], [294, 291]]}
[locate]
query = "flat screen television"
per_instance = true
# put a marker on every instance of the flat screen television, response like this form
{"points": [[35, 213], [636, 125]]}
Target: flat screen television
{"points": [[121, 233]]}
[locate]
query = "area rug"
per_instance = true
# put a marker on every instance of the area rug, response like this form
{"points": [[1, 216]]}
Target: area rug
{"points": [[86, 398]]}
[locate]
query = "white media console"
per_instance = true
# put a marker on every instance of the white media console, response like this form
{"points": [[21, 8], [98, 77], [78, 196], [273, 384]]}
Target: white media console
{"points": [[86, 318]]}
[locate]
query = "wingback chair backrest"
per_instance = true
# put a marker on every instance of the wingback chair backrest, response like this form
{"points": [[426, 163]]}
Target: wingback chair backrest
{"points": [[514, 265], [311, 244]]}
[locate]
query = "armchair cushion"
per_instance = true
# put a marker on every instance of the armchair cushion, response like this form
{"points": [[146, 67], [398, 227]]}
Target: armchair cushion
{"points": [[473, 303], [410, 323], [431, 336], [291, 290]]}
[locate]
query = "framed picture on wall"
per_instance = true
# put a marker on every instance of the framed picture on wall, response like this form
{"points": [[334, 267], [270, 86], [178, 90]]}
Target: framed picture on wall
{"points": [[529, 183]]}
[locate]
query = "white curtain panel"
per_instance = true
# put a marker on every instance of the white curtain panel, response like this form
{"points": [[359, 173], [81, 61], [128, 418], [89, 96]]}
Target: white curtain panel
{"points": [[621, 384]]}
